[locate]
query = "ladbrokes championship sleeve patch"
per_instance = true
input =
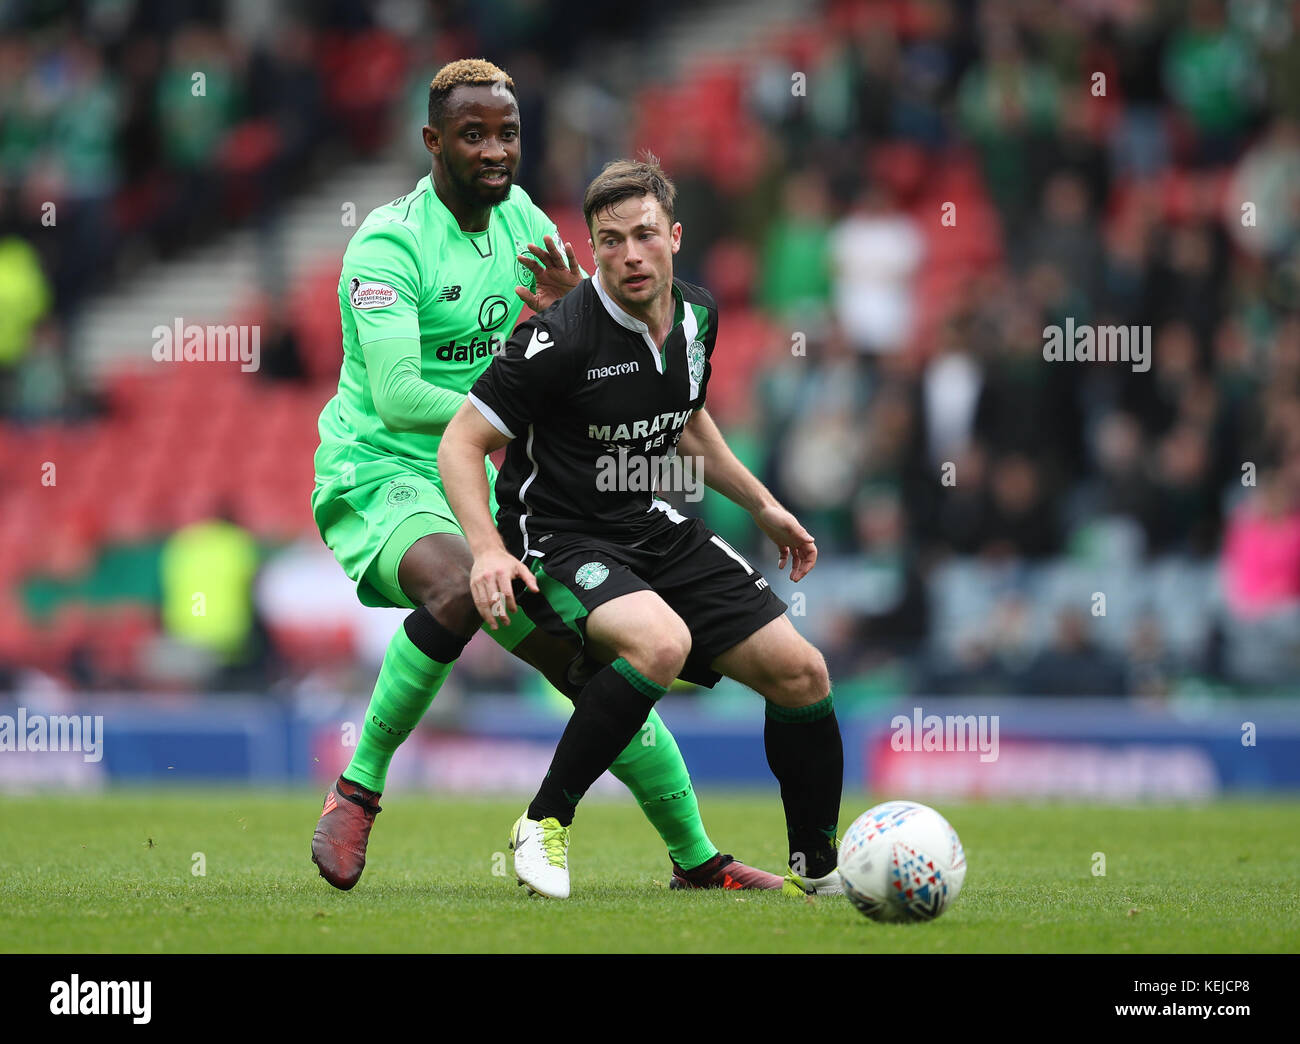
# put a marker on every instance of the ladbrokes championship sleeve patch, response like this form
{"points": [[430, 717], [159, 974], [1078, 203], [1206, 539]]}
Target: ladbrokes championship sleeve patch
{"points": [[371, 295]]}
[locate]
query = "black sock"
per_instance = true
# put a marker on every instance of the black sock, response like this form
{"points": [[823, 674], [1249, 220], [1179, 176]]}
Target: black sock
{"points": [[608, 712], [806, 755], [431, 638]]}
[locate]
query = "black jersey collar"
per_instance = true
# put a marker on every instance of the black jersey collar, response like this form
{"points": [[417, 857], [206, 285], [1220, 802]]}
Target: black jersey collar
{"points": [[684, 314]]}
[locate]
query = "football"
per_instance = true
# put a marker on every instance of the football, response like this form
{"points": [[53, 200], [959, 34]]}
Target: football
{"points": [[902, 861]]}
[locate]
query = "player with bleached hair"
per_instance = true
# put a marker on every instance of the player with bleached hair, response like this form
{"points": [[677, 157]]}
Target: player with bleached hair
{"points": [[432, 285]]}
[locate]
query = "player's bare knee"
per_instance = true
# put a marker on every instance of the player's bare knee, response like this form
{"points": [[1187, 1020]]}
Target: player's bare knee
{"points": [[817, 678], [660, 648], [452, 607], [802, 680]]}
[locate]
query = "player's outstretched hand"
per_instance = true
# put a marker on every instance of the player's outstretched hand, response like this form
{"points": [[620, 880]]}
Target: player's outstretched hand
{"points": [[795, 543], [491, 582], [557, 273]]}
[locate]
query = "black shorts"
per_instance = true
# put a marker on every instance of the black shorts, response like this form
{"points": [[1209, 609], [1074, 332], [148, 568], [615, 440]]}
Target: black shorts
{"points": [[721, 598]]}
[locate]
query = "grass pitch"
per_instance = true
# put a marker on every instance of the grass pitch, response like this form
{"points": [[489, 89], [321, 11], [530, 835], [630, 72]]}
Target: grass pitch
{"points": [[118, 873]]}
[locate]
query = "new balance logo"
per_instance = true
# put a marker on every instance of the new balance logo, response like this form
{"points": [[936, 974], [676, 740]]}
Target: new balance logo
{"points": [[612, 371], [448, 293]]}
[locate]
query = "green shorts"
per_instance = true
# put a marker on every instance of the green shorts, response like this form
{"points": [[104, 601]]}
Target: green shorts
{"points": [[371, 526]]}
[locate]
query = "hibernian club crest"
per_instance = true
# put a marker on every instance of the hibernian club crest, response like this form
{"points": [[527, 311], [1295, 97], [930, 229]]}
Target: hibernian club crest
{"points": [[695, 360], [591, 575]]}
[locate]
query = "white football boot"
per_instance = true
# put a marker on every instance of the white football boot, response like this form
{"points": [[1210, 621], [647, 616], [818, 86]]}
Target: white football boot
{"points": [[541, 856], [831, 884]]}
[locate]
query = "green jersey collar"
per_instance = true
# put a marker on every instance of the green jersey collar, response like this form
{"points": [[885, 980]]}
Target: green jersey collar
{"points": [[474, 237]]}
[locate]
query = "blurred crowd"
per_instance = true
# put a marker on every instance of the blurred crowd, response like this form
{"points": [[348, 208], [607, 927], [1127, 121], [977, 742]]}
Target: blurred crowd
{"points": [[133, 130], [958, 179], [893, 202]]}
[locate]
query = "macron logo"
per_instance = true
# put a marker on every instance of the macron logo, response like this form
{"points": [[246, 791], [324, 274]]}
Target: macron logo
{"points": [[541, 340], [612, 371], [101, 998]]}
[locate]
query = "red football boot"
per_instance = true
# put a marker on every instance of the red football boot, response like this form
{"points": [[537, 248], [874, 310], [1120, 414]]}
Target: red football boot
{"points": [[722, 871], [338, 847]]}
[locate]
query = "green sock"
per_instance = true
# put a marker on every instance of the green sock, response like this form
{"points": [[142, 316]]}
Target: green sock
{"points": [[652, 768], [407, 684]]}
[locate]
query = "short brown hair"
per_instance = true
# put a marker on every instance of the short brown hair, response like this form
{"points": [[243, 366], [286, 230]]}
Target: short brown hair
{"points": [[623, 179], [464, 72]]}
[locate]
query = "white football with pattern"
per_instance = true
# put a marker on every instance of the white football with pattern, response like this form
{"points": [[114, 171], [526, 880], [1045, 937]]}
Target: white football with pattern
{"points": [[902, 861]]}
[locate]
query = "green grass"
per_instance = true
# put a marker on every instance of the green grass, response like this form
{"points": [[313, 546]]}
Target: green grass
{"points": [[113, 874]]}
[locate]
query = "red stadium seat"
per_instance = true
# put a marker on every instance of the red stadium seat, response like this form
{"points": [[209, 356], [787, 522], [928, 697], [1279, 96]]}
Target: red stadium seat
{"points": [[306, 647]]}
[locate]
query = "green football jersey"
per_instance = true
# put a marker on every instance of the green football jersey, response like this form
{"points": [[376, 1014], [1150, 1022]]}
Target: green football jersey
{"points": [[410, 273]]}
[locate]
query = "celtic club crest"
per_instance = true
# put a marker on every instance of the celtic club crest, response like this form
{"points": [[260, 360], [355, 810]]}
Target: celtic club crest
{"points": [[525, 275]]}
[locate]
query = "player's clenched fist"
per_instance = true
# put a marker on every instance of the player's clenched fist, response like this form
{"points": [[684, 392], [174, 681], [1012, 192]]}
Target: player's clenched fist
{"points": [[491, 582]]}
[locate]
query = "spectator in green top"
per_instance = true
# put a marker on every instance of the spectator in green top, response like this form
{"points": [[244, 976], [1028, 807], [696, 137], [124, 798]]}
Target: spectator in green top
{"points": [[196, 100], [796, 274], [1210, 71]]}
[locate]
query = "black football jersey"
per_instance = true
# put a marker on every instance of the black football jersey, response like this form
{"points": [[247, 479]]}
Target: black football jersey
{"points": [[578, 387]]}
